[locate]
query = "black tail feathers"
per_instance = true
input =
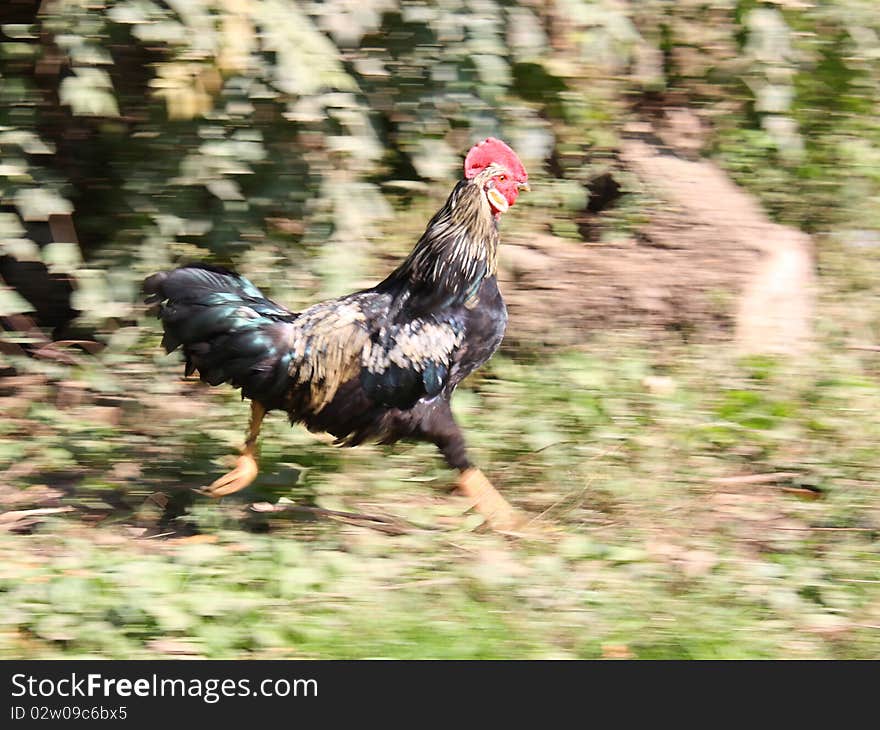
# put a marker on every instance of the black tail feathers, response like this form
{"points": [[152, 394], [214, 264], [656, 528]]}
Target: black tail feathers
{"points": [[229, 332]]}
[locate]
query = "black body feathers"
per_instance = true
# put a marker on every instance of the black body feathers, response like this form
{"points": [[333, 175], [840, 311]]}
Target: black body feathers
{"points": [[378, 364], [229, 332]]}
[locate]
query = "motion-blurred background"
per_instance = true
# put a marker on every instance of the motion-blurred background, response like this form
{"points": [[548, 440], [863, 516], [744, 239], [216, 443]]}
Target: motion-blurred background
{"points": [[686, 402]]}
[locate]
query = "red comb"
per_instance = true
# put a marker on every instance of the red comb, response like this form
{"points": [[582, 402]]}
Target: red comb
{"points": [[491, 150]]}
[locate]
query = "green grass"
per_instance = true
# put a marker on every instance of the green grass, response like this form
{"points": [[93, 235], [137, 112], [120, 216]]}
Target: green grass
{"points": [[616, 451]]}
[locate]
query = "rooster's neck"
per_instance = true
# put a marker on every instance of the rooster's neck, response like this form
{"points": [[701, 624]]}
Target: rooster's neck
{"points": [[458, 249]]}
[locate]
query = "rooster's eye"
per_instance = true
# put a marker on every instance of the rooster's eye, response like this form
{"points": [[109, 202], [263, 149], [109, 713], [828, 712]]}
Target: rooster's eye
{"points": [[502, 178]]}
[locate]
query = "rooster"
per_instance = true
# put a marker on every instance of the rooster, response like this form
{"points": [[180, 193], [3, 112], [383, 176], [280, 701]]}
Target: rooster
{"points": [[379, 364]]}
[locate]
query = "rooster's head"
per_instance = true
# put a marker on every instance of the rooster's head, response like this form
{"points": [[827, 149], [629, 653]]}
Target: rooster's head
{"points": [[493, 166]]}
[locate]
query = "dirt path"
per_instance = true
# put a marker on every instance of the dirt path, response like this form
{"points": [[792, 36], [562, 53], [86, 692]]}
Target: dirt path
{"points": [[708, 263], [776, 305]]}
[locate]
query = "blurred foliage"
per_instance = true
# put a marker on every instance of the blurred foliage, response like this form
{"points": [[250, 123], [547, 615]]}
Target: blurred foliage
{"points": [[212, 128], [274, 129]]}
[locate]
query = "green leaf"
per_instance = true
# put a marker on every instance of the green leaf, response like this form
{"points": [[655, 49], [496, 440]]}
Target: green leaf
{"points": [[37, 204], [89, 93], [21, 249], [62, 257], [12, 303]]}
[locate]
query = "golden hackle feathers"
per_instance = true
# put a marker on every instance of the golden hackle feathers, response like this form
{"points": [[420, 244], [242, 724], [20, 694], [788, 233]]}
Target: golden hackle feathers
{"points": [[461, 240], [327, 340]]}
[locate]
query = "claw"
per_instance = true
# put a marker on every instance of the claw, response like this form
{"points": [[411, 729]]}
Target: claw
{"points": [[499, 513], [242, 475]]}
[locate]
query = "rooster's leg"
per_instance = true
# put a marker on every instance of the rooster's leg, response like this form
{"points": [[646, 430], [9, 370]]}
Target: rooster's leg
{"points": [[440, 427], [246, 469]]}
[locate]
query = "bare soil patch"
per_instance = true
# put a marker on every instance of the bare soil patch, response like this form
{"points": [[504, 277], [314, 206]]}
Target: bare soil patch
{"points": [[709, 264]]}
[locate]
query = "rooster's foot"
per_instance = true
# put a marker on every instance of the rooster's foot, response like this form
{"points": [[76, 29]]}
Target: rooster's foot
{"points": [[499, 513], [242, 475]]}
